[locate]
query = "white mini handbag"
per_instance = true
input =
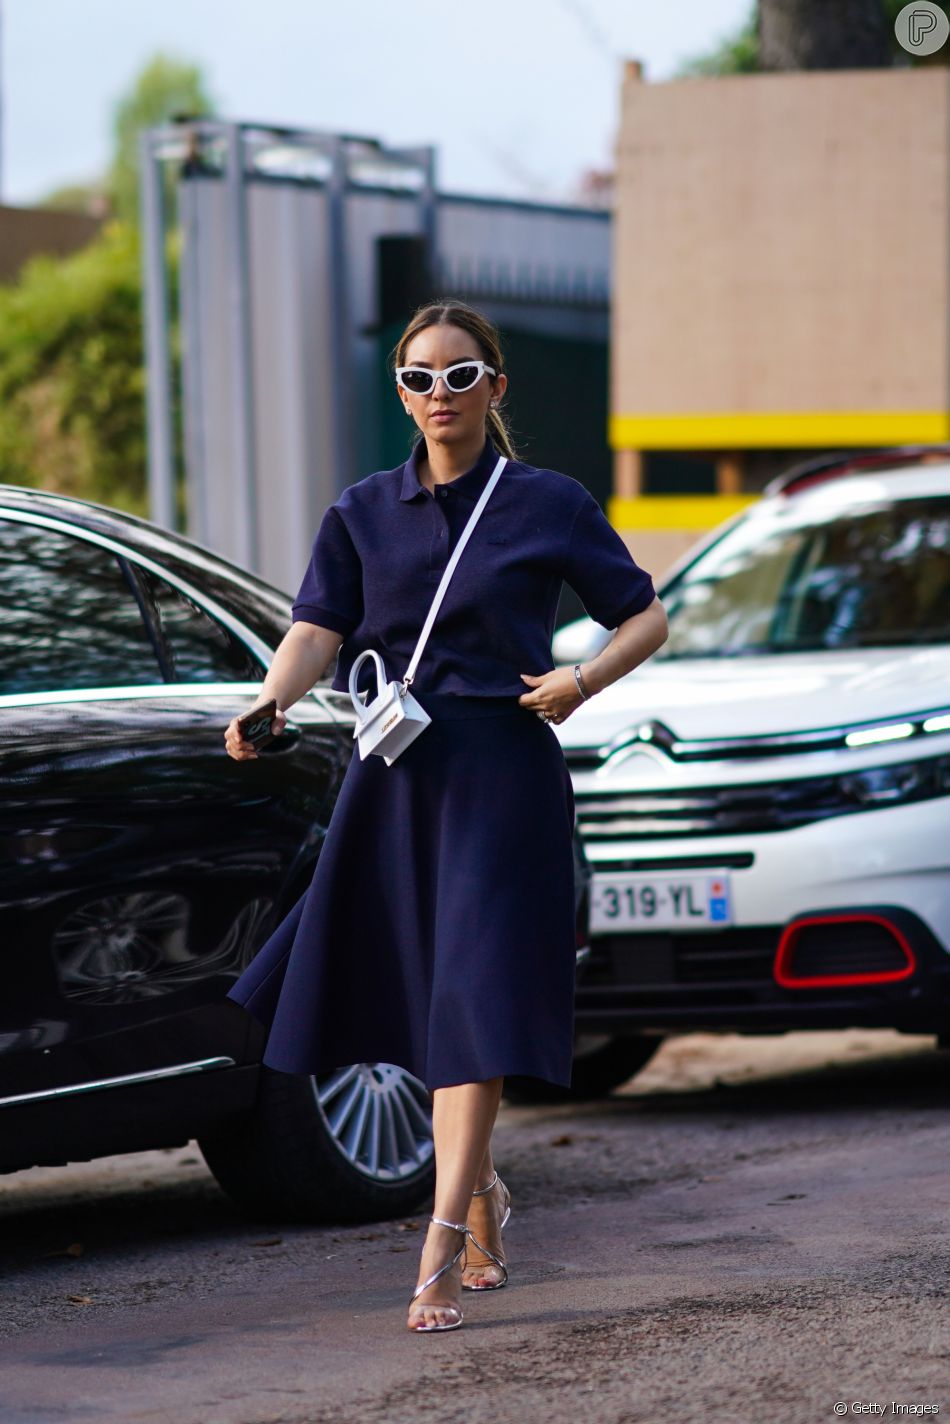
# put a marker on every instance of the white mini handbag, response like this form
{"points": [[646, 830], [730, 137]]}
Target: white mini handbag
{"points": [[394, 718]]}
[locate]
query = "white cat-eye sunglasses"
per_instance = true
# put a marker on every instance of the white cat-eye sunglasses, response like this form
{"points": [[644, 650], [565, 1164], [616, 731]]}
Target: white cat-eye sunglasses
{"points": [[462, 376]]}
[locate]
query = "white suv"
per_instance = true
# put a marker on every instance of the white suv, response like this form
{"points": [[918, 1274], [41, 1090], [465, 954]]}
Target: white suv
{"points": [[766, 804]]}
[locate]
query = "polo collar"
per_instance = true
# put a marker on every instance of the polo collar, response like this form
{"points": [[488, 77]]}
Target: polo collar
{"points": [[469, 485]]}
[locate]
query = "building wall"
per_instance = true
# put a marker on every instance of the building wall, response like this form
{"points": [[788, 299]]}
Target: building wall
{"points": [[780, 270]]}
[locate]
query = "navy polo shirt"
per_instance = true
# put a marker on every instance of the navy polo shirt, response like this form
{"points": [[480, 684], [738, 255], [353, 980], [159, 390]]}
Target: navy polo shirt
{"points": [[382, 548]]}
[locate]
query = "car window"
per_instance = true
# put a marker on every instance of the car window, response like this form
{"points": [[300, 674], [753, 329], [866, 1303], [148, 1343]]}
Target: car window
{"points": [[781, 581], [68, 616], [200, 648]]}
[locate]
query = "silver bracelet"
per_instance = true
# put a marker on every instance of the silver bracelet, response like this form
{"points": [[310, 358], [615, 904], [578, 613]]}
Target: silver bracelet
{"points": [[580, 684]]}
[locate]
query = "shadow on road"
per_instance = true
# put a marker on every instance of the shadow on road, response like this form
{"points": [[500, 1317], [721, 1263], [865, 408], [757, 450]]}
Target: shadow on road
{"points": [[114, 1207]]}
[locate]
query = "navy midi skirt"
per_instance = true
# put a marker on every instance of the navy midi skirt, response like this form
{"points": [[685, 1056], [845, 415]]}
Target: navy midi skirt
{"points": [[438, 931]]}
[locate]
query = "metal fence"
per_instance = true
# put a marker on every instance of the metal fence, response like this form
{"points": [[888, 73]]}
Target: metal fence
{"points": [[301, 255]]}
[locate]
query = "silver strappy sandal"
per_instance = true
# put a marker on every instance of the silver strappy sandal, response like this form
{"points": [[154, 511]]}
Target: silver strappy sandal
{"points": [[427, 1329], [496, 1260]]}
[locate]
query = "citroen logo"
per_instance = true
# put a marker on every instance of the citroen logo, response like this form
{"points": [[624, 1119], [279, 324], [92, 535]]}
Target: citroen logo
{"points": [[652, 733]]}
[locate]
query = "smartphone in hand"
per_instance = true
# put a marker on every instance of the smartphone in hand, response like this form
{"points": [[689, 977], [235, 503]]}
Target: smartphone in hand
{"points": [[256, 726]]}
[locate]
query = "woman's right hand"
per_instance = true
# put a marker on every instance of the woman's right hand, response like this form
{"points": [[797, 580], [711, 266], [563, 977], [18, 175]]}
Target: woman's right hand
{"points": [[237, 746]]}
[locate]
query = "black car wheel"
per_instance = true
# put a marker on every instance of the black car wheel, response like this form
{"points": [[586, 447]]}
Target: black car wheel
{"points": [[600, 1064], [352, 1145]]}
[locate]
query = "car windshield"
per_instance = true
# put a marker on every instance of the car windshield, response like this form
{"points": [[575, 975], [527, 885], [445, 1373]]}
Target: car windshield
{"points": [[785, 580]]}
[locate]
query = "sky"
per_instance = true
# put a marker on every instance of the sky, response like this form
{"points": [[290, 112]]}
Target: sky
{"points": [[519, 96]]}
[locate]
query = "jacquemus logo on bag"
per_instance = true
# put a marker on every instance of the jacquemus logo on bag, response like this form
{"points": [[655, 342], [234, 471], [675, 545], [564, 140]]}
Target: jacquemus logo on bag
{"points": [[386, 725]]}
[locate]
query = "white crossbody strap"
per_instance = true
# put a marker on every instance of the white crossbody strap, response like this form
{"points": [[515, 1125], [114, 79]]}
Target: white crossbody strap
{"points": [[450, 568]]}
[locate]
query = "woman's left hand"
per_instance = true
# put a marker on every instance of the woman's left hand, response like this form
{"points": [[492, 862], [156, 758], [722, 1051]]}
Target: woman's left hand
{"points": [[555, 693]]}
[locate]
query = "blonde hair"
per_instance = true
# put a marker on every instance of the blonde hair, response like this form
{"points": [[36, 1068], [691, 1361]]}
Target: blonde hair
{"points": [[484, 332]]}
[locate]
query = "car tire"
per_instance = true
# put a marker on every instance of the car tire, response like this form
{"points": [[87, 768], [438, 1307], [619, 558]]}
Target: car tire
{"points": [[353, 1145], [600, 1064]]}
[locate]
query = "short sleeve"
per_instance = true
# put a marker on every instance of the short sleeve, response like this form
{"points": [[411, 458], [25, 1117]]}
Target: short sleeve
{"points": [[601, 570], [331, 593]]}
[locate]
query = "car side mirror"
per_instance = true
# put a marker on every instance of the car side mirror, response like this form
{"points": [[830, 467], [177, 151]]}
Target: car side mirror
{"points": [[580, 641]]}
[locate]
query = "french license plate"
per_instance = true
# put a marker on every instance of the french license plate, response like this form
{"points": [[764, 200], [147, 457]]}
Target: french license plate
{"points": [[622, 901]]}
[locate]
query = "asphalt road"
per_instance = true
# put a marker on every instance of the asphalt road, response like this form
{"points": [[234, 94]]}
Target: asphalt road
{"points": [[757, 1228]]}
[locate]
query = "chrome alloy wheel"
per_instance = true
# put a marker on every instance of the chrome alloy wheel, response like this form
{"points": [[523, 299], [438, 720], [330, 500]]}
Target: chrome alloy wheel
{"points": [[379, 1117]]}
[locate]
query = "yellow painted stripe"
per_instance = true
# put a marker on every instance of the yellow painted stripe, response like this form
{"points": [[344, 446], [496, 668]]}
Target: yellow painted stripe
{"points": [[788, 429], [687, 512]]}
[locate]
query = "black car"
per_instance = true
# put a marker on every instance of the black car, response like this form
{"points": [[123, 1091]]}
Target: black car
{"points": [[142, 868]]}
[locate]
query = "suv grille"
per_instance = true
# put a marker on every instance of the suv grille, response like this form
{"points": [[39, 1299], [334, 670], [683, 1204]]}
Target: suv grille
{"points": [[711, 810], [632, 815]]}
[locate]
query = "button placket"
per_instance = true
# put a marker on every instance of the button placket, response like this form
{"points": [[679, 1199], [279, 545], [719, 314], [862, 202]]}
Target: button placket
{"points": [[440, 524]]}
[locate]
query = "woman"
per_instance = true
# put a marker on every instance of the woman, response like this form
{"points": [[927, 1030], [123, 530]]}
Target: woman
{"points": [[438, 930]]}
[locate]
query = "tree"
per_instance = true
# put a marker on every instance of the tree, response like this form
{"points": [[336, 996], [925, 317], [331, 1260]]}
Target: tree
{"points": [[811, 34], [167, 88], [72, 378], [71, 374], [735, 54]]}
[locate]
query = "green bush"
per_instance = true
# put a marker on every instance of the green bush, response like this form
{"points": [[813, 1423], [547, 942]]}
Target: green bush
{"points": [[72, 378]]}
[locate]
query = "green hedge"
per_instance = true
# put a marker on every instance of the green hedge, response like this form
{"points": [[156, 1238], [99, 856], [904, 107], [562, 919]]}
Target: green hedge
{"points": [[72, 380]]}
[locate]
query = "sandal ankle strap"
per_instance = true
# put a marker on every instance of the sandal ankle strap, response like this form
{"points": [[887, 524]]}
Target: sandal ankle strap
{"points": [[456, 1225], [480, 1191]]}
